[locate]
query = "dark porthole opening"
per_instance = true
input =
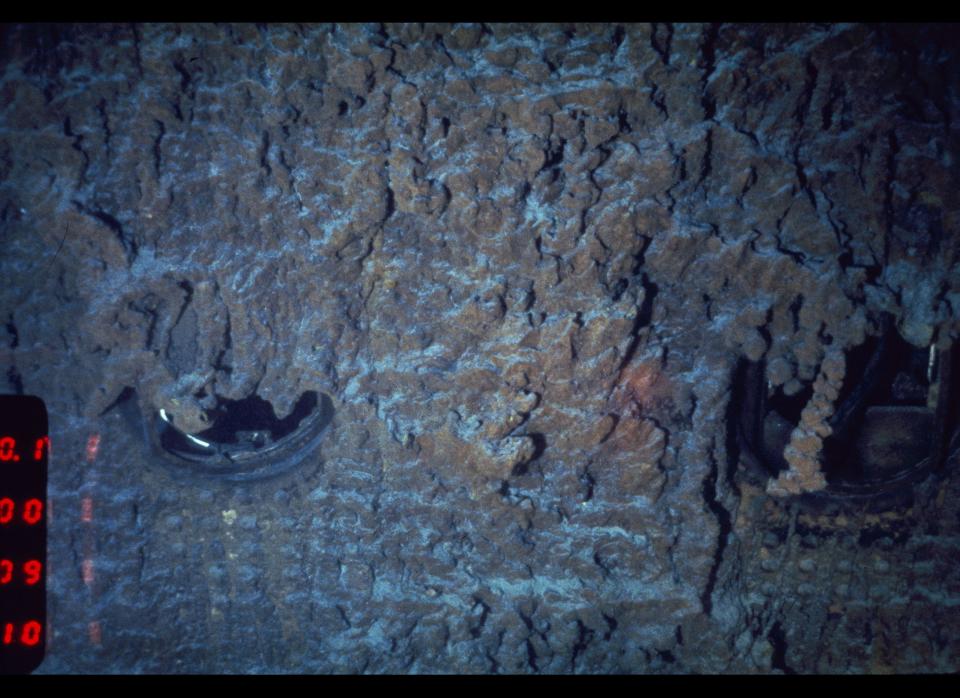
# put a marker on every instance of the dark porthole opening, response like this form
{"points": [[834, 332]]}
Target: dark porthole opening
{"points": [[246, 440], [886, 415], [249, 422], [895, 418]]}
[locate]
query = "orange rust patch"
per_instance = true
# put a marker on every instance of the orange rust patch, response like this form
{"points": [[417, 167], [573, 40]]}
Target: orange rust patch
{"points": [[641, 384]]}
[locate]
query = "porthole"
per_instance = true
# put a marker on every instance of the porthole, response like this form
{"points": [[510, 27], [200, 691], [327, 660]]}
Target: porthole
{"points": [[894, 421], [245, 442]]}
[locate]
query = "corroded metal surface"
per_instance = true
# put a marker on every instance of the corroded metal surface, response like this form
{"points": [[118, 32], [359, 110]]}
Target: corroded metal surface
{"points": [[524, 263]]}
